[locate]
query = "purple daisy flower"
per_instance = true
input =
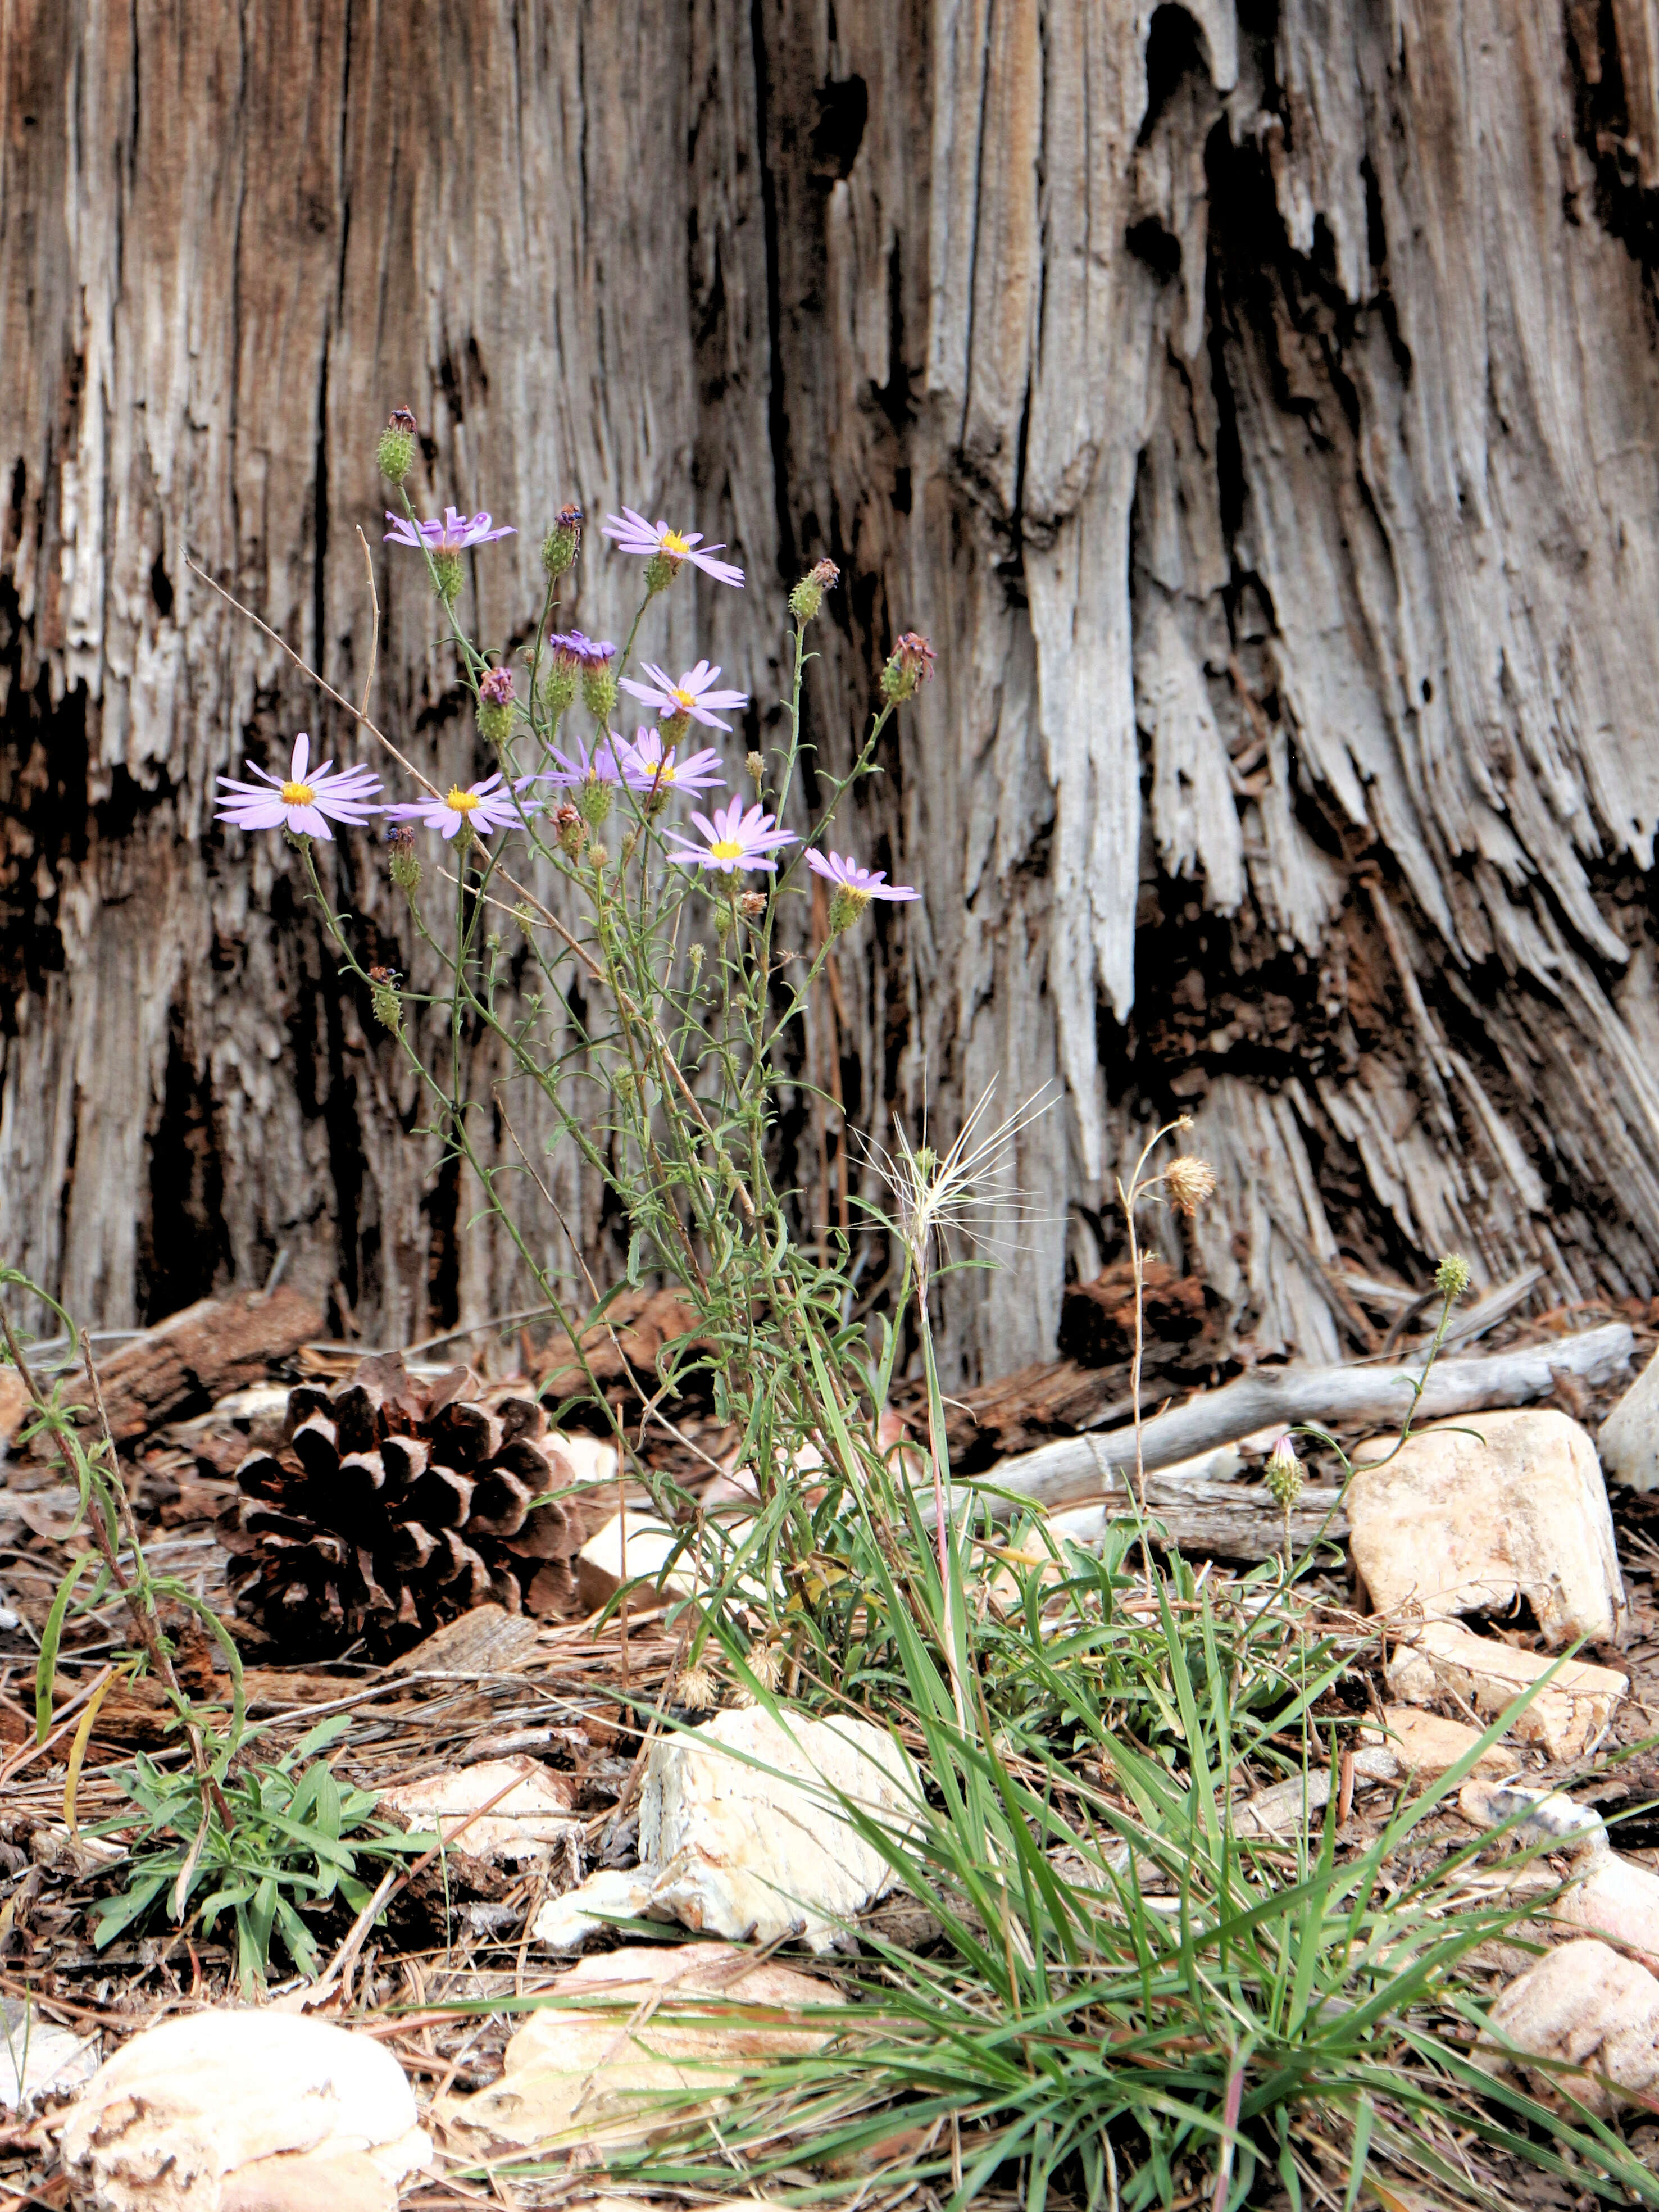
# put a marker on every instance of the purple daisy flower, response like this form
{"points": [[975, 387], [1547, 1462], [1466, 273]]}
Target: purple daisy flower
{"points": [[573, 647], [692, 696], [600, 765], [632, 533], [306, 802], [454, 534], [847, 875], [486, 805], [735, 840], [646, 766]]}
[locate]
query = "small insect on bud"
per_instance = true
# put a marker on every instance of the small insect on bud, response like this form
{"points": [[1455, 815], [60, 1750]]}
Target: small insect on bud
{"points": [[394, 456], [756, 766], [1284, 1473], [495, 706], [405, 861], [1189, 1181], [568, 830], [384, 1000], [908, 665], [1453, 1276], [808, 595], [450, 575], [699, 1690], [563, 543], [845, 907], [752, 905]]}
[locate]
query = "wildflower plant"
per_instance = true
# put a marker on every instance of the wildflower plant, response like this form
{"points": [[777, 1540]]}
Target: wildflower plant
{"points": [[661, 910]]}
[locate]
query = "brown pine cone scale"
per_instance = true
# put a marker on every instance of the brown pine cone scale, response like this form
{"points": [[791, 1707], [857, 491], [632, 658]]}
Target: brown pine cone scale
{"points": [[396, 1505]]}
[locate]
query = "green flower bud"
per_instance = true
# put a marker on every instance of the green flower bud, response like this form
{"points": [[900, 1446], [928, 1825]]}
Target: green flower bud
{"points": [[495, 711], [394, 456], [1453, 1276], [696, 963], [598, 691], [451, 575], [594, 797], [808, 595], [559, 689], [563, 543], [1284, 1475]]}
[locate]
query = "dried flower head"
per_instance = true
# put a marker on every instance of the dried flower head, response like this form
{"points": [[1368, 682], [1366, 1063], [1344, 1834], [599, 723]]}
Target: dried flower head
{"points": [[405, 863], [766, 1663], [383, 998], [910, 665], [1453, 1276], [699, 1690], [570, 831], [808, 595], [756, 766], [1189, 1181], [752, 905]]}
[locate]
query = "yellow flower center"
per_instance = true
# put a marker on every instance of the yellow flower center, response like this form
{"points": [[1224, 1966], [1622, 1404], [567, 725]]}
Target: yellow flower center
{"points": [[462, 802], [298, 794], [683, 700], [728, 848], [663, 770], [672, 542]]}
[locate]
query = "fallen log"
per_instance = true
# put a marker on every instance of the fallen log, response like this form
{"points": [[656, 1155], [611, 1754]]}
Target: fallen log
{"points": [[1077, 1467], [196, 1356], [1205, 1519]]}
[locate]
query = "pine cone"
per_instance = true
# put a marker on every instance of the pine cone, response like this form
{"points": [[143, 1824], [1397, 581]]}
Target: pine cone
{"points": [[397, 1505]]}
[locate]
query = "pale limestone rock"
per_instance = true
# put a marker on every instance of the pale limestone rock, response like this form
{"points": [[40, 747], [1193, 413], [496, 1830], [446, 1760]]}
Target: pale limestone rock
{"points": [[533, 1816], [1630, 1434], [1566, 1718], [174, 2122], [1531, 1817], [1470, 1516], [696, 2017], [1618, 1901], [1584, 2006], [1301, 1799], [564, 1923], [632, 1547], [741, 1820], [38, 2058], [1427, 1745]]}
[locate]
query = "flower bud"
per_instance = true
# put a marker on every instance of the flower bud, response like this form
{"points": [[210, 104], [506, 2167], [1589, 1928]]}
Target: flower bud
{"points": [[594, 797], [384, 1000], [1453, 1276], [395, 454], [405, 864], [524, 914], [808, 595], [673, 727], [569, 832], [1284, 1473], [451, 575], [495, 706], [845, 908], [725, 918], [909, 663], [630, 846], [752, 905], [600, 858], [756, 766], [563, 543], [1189, 1181], [696, 957]]}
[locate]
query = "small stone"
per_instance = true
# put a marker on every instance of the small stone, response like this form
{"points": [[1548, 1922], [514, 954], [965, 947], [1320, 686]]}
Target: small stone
{"points": [[1618, 1901], [632, 1548], [609, 1895], [1566, 1718], [532, 1817], [740, 1819], [1630, 1434], [1427, 1745], [1583, 2006], [1469, 1516], [176, 2120], [1531, 1817], [617, 2075]]}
